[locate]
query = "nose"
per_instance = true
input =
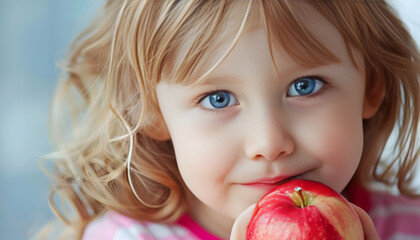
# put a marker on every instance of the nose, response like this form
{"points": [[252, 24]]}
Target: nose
{"points": [[269, 138]]}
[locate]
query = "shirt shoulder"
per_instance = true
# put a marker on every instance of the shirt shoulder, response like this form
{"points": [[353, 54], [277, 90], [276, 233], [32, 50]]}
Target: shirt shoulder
{"points": [[395, 216], [114, 226]]}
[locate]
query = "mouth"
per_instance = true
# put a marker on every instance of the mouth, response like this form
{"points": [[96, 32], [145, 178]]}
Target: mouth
{"points": [[270, 182]]}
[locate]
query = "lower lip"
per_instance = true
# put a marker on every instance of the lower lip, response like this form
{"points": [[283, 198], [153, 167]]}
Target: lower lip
{"points": [[268, 185], [260, 188], [265, 186]]}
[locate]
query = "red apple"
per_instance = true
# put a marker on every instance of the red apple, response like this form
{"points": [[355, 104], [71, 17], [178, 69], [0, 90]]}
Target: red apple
{"points": [[302, 209]]}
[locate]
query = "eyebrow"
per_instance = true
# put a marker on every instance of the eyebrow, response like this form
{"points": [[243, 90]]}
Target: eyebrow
{"points": [[211, 80]]}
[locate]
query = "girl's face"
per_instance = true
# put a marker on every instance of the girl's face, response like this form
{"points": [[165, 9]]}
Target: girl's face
{"points": [[248, 128]]}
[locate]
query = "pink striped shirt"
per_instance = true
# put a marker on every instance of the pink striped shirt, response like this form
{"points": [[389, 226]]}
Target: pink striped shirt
{"points": [[114, 226], [395, 217]]}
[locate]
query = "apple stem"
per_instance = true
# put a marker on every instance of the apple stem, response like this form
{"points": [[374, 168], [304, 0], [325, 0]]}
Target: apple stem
{"points": [[302, 202]]}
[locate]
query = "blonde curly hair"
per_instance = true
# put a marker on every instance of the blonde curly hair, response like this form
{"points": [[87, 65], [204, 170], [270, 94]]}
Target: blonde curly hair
{"points": [[105, 107]]}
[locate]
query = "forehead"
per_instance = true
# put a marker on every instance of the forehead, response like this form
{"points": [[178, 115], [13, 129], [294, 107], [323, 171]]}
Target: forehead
{"points": [[296, 30]]}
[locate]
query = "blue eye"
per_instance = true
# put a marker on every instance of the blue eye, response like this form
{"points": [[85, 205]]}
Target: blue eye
{"points": [[305, 86], [218, 100]]}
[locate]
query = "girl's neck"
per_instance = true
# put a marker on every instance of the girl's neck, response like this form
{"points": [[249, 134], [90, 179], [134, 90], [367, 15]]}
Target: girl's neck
{"points": [[213, 222]]}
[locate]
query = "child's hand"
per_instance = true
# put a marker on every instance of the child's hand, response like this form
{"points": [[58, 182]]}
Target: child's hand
{"points": [[241, 224], [368, 227]]}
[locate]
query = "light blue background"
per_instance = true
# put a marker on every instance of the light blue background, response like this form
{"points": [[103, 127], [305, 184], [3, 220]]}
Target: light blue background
{"points": [[34, 35]]}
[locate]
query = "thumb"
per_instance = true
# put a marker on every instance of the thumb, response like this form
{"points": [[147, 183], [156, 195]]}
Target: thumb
{"points": [[240, 225], [368, 228]]}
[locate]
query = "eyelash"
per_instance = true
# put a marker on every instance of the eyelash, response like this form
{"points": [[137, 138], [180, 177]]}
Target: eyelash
{"points": [[204, 95], [209, 93], [317, 93]]}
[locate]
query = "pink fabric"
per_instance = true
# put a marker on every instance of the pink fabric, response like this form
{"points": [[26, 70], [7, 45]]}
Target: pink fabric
{"points": [[189, 223], [113, 226], [394, 217], [360, 197]]}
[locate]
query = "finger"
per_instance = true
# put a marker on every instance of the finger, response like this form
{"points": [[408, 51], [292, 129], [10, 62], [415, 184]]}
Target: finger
{"points": [[367, 223], [241, 224]]}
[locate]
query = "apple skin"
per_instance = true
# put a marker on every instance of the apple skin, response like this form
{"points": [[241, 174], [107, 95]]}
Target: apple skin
{"points": [[314, 212]]}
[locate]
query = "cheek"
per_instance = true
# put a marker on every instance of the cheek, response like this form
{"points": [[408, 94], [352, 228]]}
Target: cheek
{"points": [[335, 139], [204, 159], [342, 138]]}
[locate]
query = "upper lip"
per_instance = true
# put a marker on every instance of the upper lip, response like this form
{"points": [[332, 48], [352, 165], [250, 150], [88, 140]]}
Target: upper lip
{"points": [[270, 180]]}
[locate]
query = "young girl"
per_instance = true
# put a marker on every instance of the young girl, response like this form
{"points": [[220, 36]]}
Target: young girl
{"points": [[185, 113]]}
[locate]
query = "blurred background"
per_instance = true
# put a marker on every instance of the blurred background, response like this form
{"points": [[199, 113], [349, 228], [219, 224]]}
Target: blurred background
{"points": [[34, 36]]}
